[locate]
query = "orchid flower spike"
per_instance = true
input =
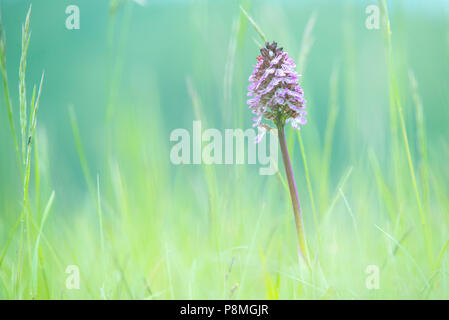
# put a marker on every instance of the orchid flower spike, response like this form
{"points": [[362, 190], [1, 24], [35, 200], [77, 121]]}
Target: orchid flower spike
{"points": [[275, 91]]}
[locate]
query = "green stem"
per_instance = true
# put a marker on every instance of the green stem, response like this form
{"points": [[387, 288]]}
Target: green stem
{"points": [[309, 187]]}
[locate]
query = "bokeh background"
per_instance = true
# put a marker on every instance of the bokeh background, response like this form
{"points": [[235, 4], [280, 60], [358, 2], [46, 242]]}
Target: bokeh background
{"points": [[139, 227]]}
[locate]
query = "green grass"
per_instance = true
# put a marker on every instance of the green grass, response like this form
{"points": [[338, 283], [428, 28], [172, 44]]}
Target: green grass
{"points": [[142, 228]]}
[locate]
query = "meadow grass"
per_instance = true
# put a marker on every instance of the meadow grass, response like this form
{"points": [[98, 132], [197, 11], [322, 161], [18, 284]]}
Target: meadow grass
{"points": [[145, 229]]}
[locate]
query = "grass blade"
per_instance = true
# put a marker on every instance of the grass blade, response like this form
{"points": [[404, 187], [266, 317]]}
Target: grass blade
{"points": [[8, 102], [406, 253], [397, 103], [437, 264], [80, 150], [254, 24], [36, 246]]}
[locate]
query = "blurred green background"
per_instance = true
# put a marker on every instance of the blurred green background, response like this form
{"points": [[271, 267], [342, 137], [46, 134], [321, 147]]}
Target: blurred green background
{"points": [[225, 231]]}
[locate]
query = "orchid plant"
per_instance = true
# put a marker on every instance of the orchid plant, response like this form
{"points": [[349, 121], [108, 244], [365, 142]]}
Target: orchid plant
{"points": [[277, 96]]}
